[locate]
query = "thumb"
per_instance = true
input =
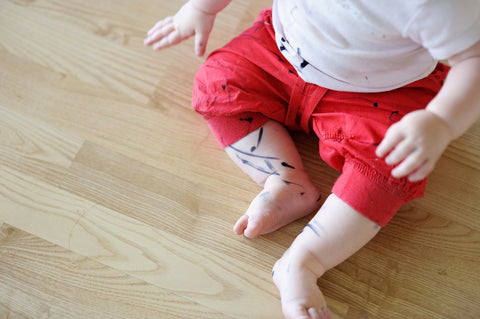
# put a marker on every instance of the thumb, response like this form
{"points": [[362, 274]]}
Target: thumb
{"points": [[201, 39]]}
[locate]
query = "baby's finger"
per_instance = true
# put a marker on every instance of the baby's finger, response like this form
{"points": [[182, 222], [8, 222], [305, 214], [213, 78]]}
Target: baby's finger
{"points": [[421, 173], [409, 165], [160, 33], [171, 39], [160, 24], [200, 43], [392, 138], [401, 151]]}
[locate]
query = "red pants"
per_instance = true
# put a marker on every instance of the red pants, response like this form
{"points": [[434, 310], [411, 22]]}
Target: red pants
{"points": [[248, 82]]}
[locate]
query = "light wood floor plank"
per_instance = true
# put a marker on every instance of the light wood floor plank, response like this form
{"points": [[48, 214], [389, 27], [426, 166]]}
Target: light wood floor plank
{"points": [[61, 284], [133, 247], [30, 146]]}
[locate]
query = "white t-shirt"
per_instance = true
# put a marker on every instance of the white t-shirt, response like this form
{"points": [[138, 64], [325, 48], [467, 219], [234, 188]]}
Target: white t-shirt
{"points": [[372, 45]]}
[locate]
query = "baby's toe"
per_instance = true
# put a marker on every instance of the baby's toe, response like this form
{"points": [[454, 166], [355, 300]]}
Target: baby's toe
{"points": [[254, 228], [241, 225]]}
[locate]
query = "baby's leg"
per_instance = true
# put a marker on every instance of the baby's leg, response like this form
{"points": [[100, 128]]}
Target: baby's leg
{"points": [[270, 157], [335, 233]]}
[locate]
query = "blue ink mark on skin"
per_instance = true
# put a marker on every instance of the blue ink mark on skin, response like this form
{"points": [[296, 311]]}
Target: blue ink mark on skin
{"points": [[269, 165], [263, 194], [253, 155], [313, 229], [260, 134], [291, 183], [316, 227], [269, 170]]}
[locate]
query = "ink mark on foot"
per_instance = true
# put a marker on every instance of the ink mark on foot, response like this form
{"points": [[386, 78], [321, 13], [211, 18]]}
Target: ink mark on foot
{"points": [[298, 185], [290, 183]]}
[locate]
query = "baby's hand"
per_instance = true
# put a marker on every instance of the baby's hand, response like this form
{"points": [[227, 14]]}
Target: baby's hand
{"points": [[416, 142], [187, 22]]}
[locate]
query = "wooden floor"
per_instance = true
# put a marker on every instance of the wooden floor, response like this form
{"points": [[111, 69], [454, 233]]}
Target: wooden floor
{"points": [[116, 202]]}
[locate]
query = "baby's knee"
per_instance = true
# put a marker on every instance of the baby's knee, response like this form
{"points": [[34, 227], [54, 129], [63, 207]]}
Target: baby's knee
{"points": [[375, 193]]}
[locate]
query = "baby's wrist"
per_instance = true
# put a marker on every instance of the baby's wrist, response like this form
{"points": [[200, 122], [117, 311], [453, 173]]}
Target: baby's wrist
{"points": [[201, 8], [445, 123]]}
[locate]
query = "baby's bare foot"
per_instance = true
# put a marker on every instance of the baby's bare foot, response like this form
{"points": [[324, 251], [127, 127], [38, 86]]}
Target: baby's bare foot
{"points": [[296, 281], [283, 200]]}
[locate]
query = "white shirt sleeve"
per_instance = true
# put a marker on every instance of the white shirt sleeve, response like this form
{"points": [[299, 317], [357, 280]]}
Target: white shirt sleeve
{"points": [[445, 27]]}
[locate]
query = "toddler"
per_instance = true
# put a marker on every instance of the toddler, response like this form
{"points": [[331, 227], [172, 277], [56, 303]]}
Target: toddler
{"points": [[364, 76]]}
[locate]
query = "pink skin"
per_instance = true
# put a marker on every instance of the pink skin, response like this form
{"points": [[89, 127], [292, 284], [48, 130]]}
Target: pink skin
{"points": [[335, 233], [415, 143], [188, 21], [278, 205]]}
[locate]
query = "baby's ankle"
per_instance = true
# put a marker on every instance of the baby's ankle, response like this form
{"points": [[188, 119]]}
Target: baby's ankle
{"points": [[289, 176], [304, 259]]}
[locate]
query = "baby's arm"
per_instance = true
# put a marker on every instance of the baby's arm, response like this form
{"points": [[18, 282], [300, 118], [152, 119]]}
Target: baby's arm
{"points": [[196, 17], [419, 139]]}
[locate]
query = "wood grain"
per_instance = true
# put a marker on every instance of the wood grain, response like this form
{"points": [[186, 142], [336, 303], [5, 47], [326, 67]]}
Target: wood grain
{"points": [[116, 202], [58, 283]]}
